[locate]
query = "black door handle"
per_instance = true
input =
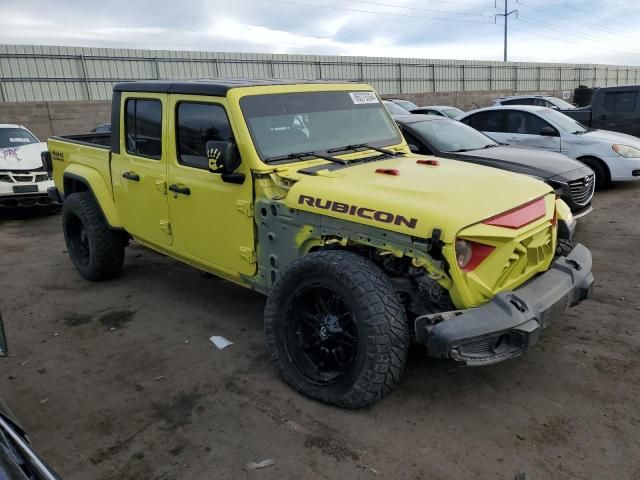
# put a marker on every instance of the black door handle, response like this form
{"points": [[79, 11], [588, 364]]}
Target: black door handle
{"points": [[180, 189], [131, 176]]}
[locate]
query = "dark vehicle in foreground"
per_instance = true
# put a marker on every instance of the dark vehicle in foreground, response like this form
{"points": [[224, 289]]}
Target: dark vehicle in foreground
{"points": [[612, 108], [430, 135], [18, 461]]}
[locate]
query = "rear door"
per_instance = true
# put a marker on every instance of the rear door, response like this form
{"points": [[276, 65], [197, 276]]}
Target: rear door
{"points": [[489, 122], [619, 111], [211, 219], [139, 171], [523, 128]]}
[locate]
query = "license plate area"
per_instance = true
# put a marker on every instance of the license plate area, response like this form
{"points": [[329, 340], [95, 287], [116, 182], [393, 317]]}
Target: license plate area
{"points": [[25, 188]]}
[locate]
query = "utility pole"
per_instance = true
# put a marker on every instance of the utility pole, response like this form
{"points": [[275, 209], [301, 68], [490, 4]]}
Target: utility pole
{"points": [[506, 21]]}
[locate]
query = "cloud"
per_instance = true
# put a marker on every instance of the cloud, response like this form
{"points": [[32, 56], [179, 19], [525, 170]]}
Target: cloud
{"points": [[544, 31]]}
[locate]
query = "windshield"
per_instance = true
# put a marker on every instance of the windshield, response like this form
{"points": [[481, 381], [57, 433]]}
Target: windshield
{"points": [[286, 123], [15, 137], [452, 112], [562, 121], [406, 104], [450, 135], [558, 102], [395, 109]]}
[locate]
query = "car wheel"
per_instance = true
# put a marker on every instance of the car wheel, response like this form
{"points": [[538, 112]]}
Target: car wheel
{"points": [[336, 330], [96, 251], [600, 169]]}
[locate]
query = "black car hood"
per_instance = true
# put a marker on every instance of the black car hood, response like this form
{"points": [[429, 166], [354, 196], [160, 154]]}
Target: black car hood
{"points": [[529, 161]]}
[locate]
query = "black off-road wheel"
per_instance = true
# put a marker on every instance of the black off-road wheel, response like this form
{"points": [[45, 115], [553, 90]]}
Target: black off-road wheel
{"points": [[96, 250], [336, 330], [564, 247]]}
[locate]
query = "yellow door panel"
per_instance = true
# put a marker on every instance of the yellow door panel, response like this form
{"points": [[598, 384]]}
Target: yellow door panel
{"points": [[206, 222], [140, 170]]}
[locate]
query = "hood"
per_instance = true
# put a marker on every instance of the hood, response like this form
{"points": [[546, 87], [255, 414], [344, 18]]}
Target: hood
{"points": [[529, 161], [26, 157], [607, 136], [450, 196]]}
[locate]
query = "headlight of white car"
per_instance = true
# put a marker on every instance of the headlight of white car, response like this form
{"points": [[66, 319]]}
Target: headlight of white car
{"points": [[626, 151]]}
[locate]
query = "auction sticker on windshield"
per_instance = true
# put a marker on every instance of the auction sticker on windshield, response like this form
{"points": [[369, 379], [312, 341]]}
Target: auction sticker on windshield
{"points": [[360, 98]]}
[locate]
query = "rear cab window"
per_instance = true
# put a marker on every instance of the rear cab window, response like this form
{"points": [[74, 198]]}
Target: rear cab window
{"points": [[143, 127], [620, 101]]}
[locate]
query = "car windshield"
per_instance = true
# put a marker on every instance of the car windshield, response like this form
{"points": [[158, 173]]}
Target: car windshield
{"points": [[395, 109], [452, 112], [15, 137], [288, 123], [451, 136], [406, 104], [562, 121], [558, 102]]}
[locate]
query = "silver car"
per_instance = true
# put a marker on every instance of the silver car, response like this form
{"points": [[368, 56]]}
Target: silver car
{"points": [[536, 100], [612, 156]]}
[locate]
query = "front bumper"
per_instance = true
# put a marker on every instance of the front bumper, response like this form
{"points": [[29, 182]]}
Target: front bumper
{"points": [[512, 322], [27, 194]]}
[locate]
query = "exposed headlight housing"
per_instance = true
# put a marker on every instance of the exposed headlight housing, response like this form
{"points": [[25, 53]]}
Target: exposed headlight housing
{"points": [[471, 254], [626, 151]]}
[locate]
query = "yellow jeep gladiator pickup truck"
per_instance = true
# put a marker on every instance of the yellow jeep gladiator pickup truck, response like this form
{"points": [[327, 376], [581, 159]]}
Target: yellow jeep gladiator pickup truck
{"points": [[307, 192]]}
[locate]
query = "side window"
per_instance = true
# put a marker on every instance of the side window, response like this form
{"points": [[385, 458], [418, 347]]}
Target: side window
{"points": [[518, 101], [143, 127], [197, 123], [620, 101], [412, 140], [524, 123], [489, 121]]}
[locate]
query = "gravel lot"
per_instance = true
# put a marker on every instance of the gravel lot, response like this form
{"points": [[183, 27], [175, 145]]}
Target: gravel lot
{"points": [[118, 380]]}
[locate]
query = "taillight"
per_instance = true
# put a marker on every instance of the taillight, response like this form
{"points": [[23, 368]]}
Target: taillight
{"points": [[471, 254], [47, 163]]}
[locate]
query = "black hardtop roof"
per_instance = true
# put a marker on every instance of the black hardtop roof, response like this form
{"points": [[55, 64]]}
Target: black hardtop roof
{"points": [[207, 86]]}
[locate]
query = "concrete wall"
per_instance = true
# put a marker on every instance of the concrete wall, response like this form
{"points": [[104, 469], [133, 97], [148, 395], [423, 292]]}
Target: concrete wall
{"points": [[66, 118], [45, 119]]}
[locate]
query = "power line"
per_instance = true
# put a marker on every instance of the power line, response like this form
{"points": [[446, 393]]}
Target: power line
{"points": [[345, 9], [418, 8]]}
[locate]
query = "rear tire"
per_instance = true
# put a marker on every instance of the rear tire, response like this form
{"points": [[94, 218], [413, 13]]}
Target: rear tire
{"points": [[564, 247], [96, 251], [600, 169], [336, 330]]}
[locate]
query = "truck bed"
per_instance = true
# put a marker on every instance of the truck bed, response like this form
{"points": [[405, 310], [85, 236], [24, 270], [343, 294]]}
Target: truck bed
{"points": [[83, 155]]}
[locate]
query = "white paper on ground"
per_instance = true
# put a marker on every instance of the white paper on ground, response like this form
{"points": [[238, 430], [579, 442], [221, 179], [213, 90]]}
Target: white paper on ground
{"points": [[220, 342]]}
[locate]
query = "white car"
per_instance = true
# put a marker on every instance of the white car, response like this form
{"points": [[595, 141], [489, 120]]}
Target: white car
{"points": [[537, 100], [612, 156], [23, 178]]}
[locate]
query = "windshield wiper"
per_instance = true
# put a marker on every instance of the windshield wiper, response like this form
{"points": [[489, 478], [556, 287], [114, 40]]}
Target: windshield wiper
{"points": [[364, 146], [301, 155]]}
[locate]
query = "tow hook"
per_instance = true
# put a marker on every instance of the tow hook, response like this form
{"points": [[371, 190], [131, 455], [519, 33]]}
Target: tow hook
{"points": [[574, 264]]}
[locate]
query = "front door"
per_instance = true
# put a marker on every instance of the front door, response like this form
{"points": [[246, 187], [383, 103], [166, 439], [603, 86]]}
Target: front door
{"points": [[211, 219], [523, 129], [618, 111], [139, 171]]}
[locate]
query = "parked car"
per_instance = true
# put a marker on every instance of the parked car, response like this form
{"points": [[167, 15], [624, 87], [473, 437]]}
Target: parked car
{"points": [[23, 178], [439, 110], [18, 460], [537, 100], [406, 104], [612, 156], [102, 128], [308, 193], [394, 109], [612, 108], [430, 135]]}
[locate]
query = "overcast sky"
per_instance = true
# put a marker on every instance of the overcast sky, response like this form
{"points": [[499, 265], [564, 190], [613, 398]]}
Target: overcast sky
{"points": [[585, 31]]}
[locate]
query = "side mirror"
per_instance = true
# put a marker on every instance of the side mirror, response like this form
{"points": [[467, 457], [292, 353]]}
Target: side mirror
{"points": [[549, 132], [3, 339], [413, 148], [224, 158]]}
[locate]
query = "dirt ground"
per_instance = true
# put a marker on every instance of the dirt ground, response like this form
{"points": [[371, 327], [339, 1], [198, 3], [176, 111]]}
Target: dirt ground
{"points": [[118, 380]]}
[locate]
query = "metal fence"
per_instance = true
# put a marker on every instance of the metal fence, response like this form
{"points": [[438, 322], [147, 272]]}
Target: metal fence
{"points": [[49, 73]]}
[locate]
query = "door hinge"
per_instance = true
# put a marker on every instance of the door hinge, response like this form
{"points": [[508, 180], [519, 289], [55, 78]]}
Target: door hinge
{"points": [[161, 186], [165, 226], [245, 207], [248, 254]]}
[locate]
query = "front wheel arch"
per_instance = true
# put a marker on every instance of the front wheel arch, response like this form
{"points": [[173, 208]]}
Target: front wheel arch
{"points": [[603, 174]]}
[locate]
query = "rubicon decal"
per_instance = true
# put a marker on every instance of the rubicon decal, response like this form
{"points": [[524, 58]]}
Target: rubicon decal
{"points": [[358, 211]]}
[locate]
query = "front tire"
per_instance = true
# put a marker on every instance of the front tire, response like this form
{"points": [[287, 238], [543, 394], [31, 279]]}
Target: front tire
{"points": [[96, 251], [602, 172], [336, 330]]}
